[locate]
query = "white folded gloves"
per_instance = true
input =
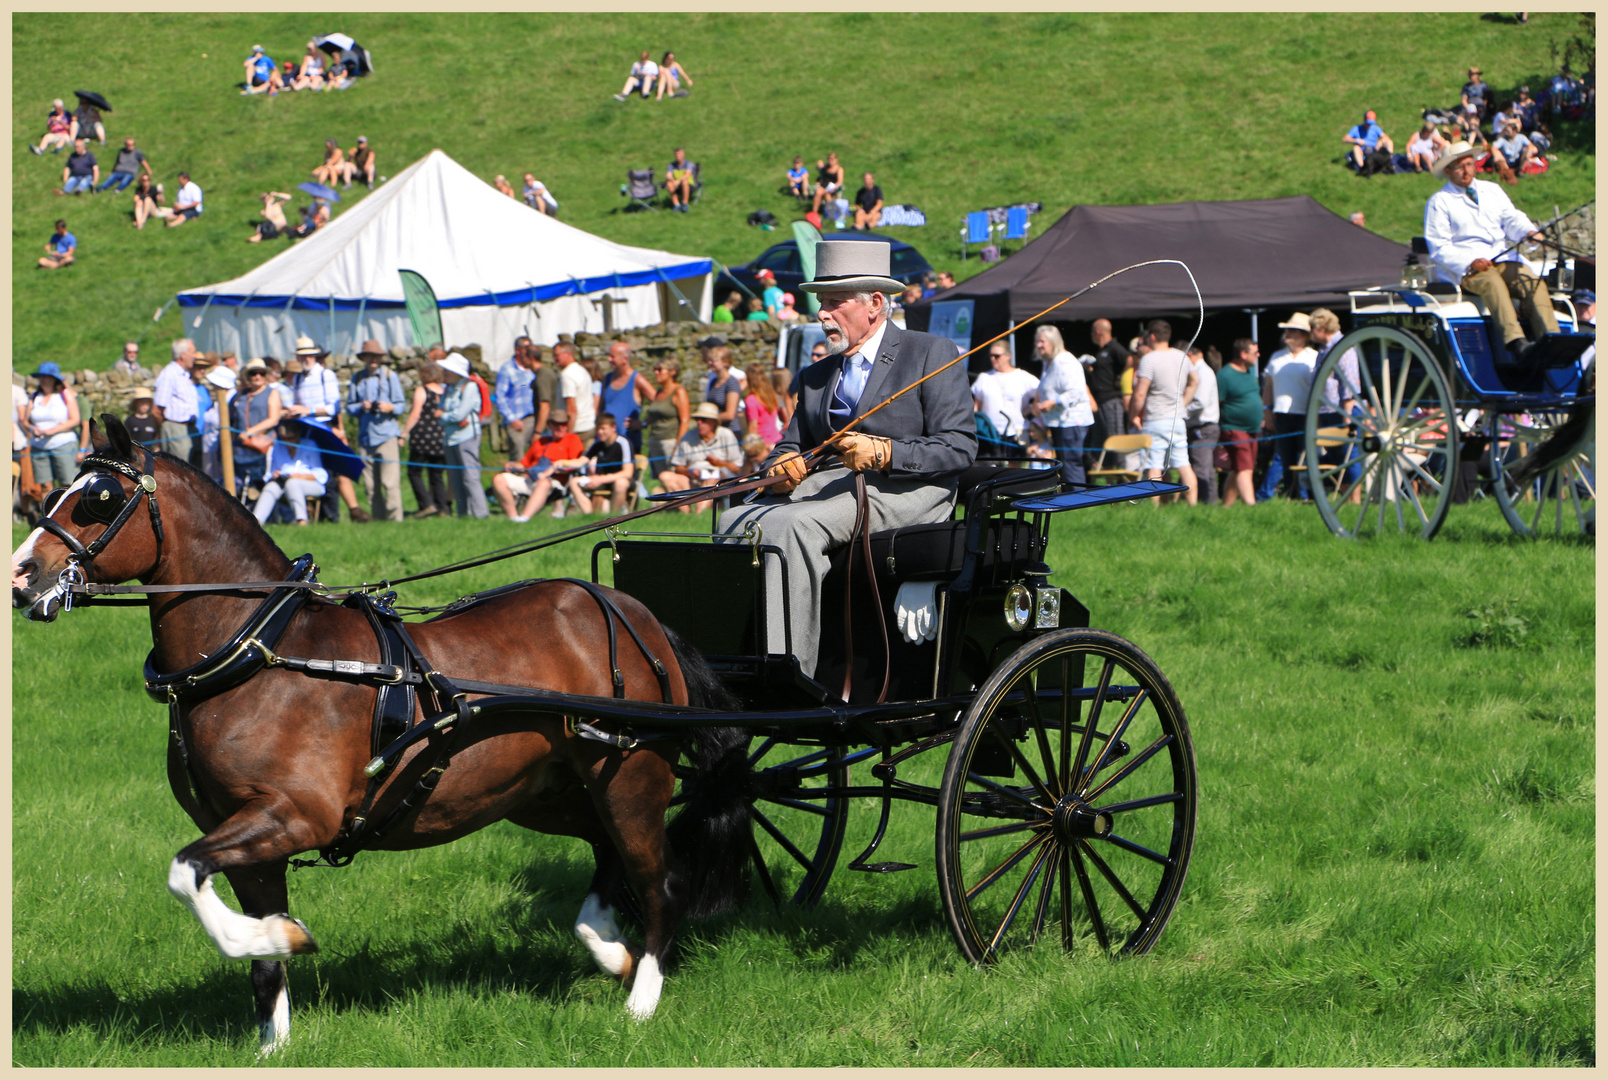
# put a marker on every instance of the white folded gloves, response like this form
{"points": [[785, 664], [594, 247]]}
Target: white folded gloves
{"points": [[916, 609]]}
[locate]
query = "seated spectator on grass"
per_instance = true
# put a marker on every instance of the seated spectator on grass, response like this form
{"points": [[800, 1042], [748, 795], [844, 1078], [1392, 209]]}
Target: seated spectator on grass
{"points": [[148, 200], [313, 218], [59, 248], [1424, 147], [798, 179], [273, 223], [703, 456], [334, 166], [643, 74], [311, 74], [1367, 138], [58, 129], [360, 161], [549, 459], [500, 182], [538, 198], [1514, 146], [1475, 95], [1527, 109], [678, 181], [187, 203], [609, 464], [726, 310], [82, 171], [671, 76], [130, 161], [868, 204], [828, 181], [262, 74], [87, 119]]}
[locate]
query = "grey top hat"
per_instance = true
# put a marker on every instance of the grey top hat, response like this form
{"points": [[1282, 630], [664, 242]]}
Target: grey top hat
{"points": [[852, 265]]}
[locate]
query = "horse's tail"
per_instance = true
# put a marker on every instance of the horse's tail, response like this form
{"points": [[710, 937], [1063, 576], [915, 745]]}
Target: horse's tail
{"points": [[713, 831]]}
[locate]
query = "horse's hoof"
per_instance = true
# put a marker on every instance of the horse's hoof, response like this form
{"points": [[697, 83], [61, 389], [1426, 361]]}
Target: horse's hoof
{"points": [[297, 939]]}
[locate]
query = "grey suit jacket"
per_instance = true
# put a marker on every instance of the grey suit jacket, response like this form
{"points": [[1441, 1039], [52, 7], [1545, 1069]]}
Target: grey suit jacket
{"points": [[931, 428]]}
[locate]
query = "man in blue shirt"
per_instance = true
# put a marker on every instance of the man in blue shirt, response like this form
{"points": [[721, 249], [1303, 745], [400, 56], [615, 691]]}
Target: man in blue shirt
{"points": [[1367, 137], [59, 248], [514, 398], [261, 73], [375, 398]]}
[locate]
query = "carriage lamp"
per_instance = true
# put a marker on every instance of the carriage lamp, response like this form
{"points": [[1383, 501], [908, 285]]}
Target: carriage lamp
{"points": [[1018, 607], [1047, 613], [1038, 607], [1412, 273], [1566, 275]]}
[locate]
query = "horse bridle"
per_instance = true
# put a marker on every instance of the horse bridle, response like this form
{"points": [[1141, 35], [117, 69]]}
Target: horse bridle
{"points": [[104, 500]]}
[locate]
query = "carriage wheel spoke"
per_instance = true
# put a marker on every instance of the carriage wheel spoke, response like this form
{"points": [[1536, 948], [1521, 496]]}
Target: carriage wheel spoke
{"points": [[787, 845], [1066, 899], [764, 871], [1021, 761], [1071, 709], [1041, 738], [1122, 774], [764, 748], [799, 804], [1021, 895], [1041, 910], [1127, 718], [1009, 793], [1138, 849], [1428, 479], [1116, 882], [1141, 804], [1001, 830], [1101, 689], [1004, 868], [1089, 901]]}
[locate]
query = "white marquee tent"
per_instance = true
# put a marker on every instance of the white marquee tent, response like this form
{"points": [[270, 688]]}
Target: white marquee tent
{"points": [[499, 269]]}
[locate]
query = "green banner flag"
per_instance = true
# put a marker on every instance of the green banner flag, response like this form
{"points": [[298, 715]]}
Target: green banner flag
{"points": [[807, 236], [422, 310]]}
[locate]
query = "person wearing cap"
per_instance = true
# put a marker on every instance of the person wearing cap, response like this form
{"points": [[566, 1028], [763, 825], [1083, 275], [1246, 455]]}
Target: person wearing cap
{"points": [[1366, 138], [360, 160], [772, 295], [262, 74], [909, 452], [1472, 228], [50, 420], [140, 422], [1286, 385], [187, 203], [532, 477], [295, 470], [174, 400], [375, 397], [575, 391], [460, 420], [706, 453], [1585, 305], [254, 413]]}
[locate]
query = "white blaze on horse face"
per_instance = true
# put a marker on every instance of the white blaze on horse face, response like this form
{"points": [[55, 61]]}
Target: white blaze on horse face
{"points": [[25, 552], [237, 936], [596, 928], [644, 997], [276, 1032]]}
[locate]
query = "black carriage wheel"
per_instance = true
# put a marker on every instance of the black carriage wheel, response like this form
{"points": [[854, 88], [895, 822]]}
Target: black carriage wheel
{"points": [[796, 838], [1559, 499], [1067, 814], [1402, 442]]}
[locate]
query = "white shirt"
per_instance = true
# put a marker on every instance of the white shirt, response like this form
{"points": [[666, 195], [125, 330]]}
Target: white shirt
{"points": [[1291, 377], [189, 195], [318, 389], [575, 382], [1458, 231], [999, 396], [292, 458], [19, 401], [1064, 391], [1203, 406], [644, 69]]}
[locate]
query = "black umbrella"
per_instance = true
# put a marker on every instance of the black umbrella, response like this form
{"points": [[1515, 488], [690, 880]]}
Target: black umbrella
{"points": [[94, 99]]}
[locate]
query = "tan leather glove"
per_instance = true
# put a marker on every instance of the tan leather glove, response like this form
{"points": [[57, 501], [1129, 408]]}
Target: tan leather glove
{"points": [[861, 452], [794, 467]]}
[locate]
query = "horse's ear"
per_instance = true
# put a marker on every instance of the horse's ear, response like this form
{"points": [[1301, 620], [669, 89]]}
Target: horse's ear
{"points": [[122, 443]]}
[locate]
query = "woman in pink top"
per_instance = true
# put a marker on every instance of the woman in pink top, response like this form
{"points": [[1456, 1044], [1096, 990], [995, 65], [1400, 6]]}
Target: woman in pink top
{"points": [[767, 415]]}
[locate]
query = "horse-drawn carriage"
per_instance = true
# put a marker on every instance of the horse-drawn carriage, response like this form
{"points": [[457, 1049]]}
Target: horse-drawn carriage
{"points": [[1065, 803], [1442, 412]]}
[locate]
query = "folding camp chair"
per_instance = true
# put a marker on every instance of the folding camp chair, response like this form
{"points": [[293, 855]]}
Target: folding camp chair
{"points": [[639, 188], [1016, 223], [977, 231], [1121, 446]]}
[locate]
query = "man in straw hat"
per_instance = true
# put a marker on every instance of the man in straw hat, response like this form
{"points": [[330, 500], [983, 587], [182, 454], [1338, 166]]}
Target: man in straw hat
{"points": [[1470, 226], [1286, 384], [375, 398], [910, 452]]}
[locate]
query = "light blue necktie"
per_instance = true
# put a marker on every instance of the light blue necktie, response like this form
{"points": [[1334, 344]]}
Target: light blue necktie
{"points": [[854, 379]]}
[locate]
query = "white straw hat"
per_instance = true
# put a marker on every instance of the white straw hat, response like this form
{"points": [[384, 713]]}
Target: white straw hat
{"points": [[457, 363], [1458, 149]]}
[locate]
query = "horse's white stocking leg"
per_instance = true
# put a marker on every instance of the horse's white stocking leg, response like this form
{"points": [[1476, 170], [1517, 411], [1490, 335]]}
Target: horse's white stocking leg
{"points": [[644, 997], [237, 936], [598, 931]]}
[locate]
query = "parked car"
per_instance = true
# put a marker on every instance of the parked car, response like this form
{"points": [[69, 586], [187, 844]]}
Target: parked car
{"points": [[905, 263]]}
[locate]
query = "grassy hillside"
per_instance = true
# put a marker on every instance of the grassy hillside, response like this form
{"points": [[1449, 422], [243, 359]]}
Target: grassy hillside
{"points": [[952, 113]]}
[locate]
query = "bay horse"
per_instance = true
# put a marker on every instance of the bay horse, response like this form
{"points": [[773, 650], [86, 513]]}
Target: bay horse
{"points": [[275, 766]]}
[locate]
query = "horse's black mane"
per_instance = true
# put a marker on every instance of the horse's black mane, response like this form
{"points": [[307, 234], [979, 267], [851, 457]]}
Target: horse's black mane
{"points": [[236, 507]]}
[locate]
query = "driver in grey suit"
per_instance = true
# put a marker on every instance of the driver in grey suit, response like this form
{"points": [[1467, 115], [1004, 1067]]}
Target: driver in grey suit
{"points": [[910, 452]]}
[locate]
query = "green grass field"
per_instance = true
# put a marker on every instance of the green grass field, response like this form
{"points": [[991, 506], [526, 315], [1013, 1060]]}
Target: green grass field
{"points": [[1394, 863], [951, 112]]}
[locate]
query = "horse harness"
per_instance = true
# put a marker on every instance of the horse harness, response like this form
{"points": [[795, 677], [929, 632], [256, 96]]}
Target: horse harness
{"points": [[401, 677]]}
